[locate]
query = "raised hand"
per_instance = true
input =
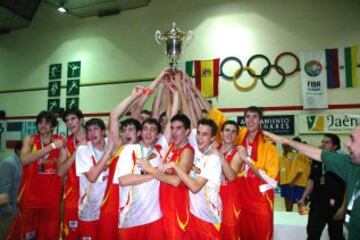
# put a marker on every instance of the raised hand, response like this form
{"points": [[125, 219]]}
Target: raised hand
{"points": [[137, 91]]}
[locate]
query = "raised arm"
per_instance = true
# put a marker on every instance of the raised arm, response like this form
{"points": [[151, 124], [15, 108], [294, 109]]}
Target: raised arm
{"points": [[310, 151], [121, 109], [194, 103], [155, 111], [201, 98], [141, 102], [173, 111], [179, 77]]}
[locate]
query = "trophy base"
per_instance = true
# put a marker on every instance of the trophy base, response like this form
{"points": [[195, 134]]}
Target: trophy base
{"points": [[173, 65]]}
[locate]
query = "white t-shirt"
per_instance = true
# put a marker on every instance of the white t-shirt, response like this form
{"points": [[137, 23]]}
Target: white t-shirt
{"points": [[91, 194], [206, 204], [139, 204], [192, 139], [162, 145]]}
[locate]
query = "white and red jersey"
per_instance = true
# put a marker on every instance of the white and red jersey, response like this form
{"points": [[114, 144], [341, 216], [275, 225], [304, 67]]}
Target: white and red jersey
{"points": [[206, 204], [91, 194], [139, 204]]}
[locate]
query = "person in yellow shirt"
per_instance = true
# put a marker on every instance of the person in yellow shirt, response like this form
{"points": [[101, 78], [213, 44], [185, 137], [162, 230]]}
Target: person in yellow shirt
{"points": [[294, 172]]}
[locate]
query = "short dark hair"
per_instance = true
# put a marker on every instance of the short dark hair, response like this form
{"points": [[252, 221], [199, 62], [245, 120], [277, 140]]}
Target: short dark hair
{"points": [[154, 122], [335, 140], [145, 111], [130, 121], [297, 139], [230, 122], [182, 118], [95, 121], [73, 111], [258, 110], [210, 123], [18, 146], [47, 116], [162, 115]]}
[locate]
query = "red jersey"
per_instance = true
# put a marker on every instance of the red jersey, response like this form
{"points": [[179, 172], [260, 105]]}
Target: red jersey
{"points": [[250, 196], [174, 201], [229, 194], [43, 185], [71, 188], [110, 203]]}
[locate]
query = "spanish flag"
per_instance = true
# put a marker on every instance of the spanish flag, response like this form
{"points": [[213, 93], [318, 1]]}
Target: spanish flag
{"points": [[341, 67], [207, 77]]}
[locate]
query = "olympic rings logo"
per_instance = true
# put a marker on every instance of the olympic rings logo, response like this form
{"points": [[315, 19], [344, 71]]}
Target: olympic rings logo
{"points": [[264, 72]]}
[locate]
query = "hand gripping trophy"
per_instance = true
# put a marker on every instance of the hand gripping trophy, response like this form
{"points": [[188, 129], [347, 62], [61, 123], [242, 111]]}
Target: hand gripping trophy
{"points": [[174, 41]]}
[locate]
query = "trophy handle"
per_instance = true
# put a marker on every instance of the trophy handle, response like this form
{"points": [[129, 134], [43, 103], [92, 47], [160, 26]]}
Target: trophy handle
{"points": [[189, 38], [158, 38]]}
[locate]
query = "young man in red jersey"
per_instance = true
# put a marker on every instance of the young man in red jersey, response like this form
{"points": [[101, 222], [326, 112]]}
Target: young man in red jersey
{"points": [[229, 190], [203, 183], [74, 120], [257, 179], [174, 196], [41, 188]]}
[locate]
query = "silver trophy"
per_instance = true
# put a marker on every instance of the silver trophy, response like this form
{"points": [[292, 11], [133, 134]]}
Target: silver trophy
{"points": [[174, 41]]}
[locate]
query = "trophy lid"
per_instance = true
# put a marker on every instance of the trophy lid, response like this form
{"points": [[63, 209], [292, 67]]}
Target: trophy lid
{"points": [[174, 32]]}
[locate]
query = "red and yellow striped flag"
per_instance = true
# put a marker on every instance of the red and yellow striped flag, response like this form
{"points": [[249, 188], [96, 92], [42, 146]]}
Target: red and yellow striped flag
{"points": [[207, 77]]}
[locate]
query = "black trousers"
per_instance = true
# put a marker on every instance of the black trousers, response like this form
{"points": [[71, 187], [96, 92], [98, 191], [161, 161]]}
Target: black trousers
{"points": [[319, 216]]}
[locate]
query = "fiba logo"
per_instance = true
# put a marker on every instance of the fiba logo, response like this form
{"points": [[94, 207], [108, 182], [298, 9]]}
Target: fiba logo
{"points": [[313, 68]]}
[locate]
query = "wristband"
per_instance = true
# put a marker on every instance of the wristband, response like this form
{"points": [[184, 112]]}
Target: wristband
{"points": [[147, 91], [53, 146]]}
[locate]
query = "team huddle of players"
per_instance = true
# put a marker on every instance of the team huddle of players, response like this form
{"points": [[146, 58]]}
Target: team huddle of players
{"points": [[186, 178]]}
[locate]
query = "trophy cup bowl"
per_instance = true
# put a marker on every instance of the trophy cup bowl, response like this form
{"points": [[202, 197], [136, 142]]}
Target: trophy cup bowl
{"points": [[174, 41]]}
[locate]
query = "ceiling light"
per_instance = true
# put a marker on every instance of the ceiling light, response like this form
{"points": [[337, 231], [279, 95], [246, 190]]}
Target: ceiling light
{"points": [[61, 7]]}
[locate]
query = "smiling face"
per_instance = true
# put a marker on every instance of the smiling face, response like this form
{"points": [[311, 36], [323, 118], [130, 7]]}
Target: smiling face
{"points": [[252, 121], [203, 137], [229, 133], [44, 127], [149, 134], [73, 123], [353, 145]]}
